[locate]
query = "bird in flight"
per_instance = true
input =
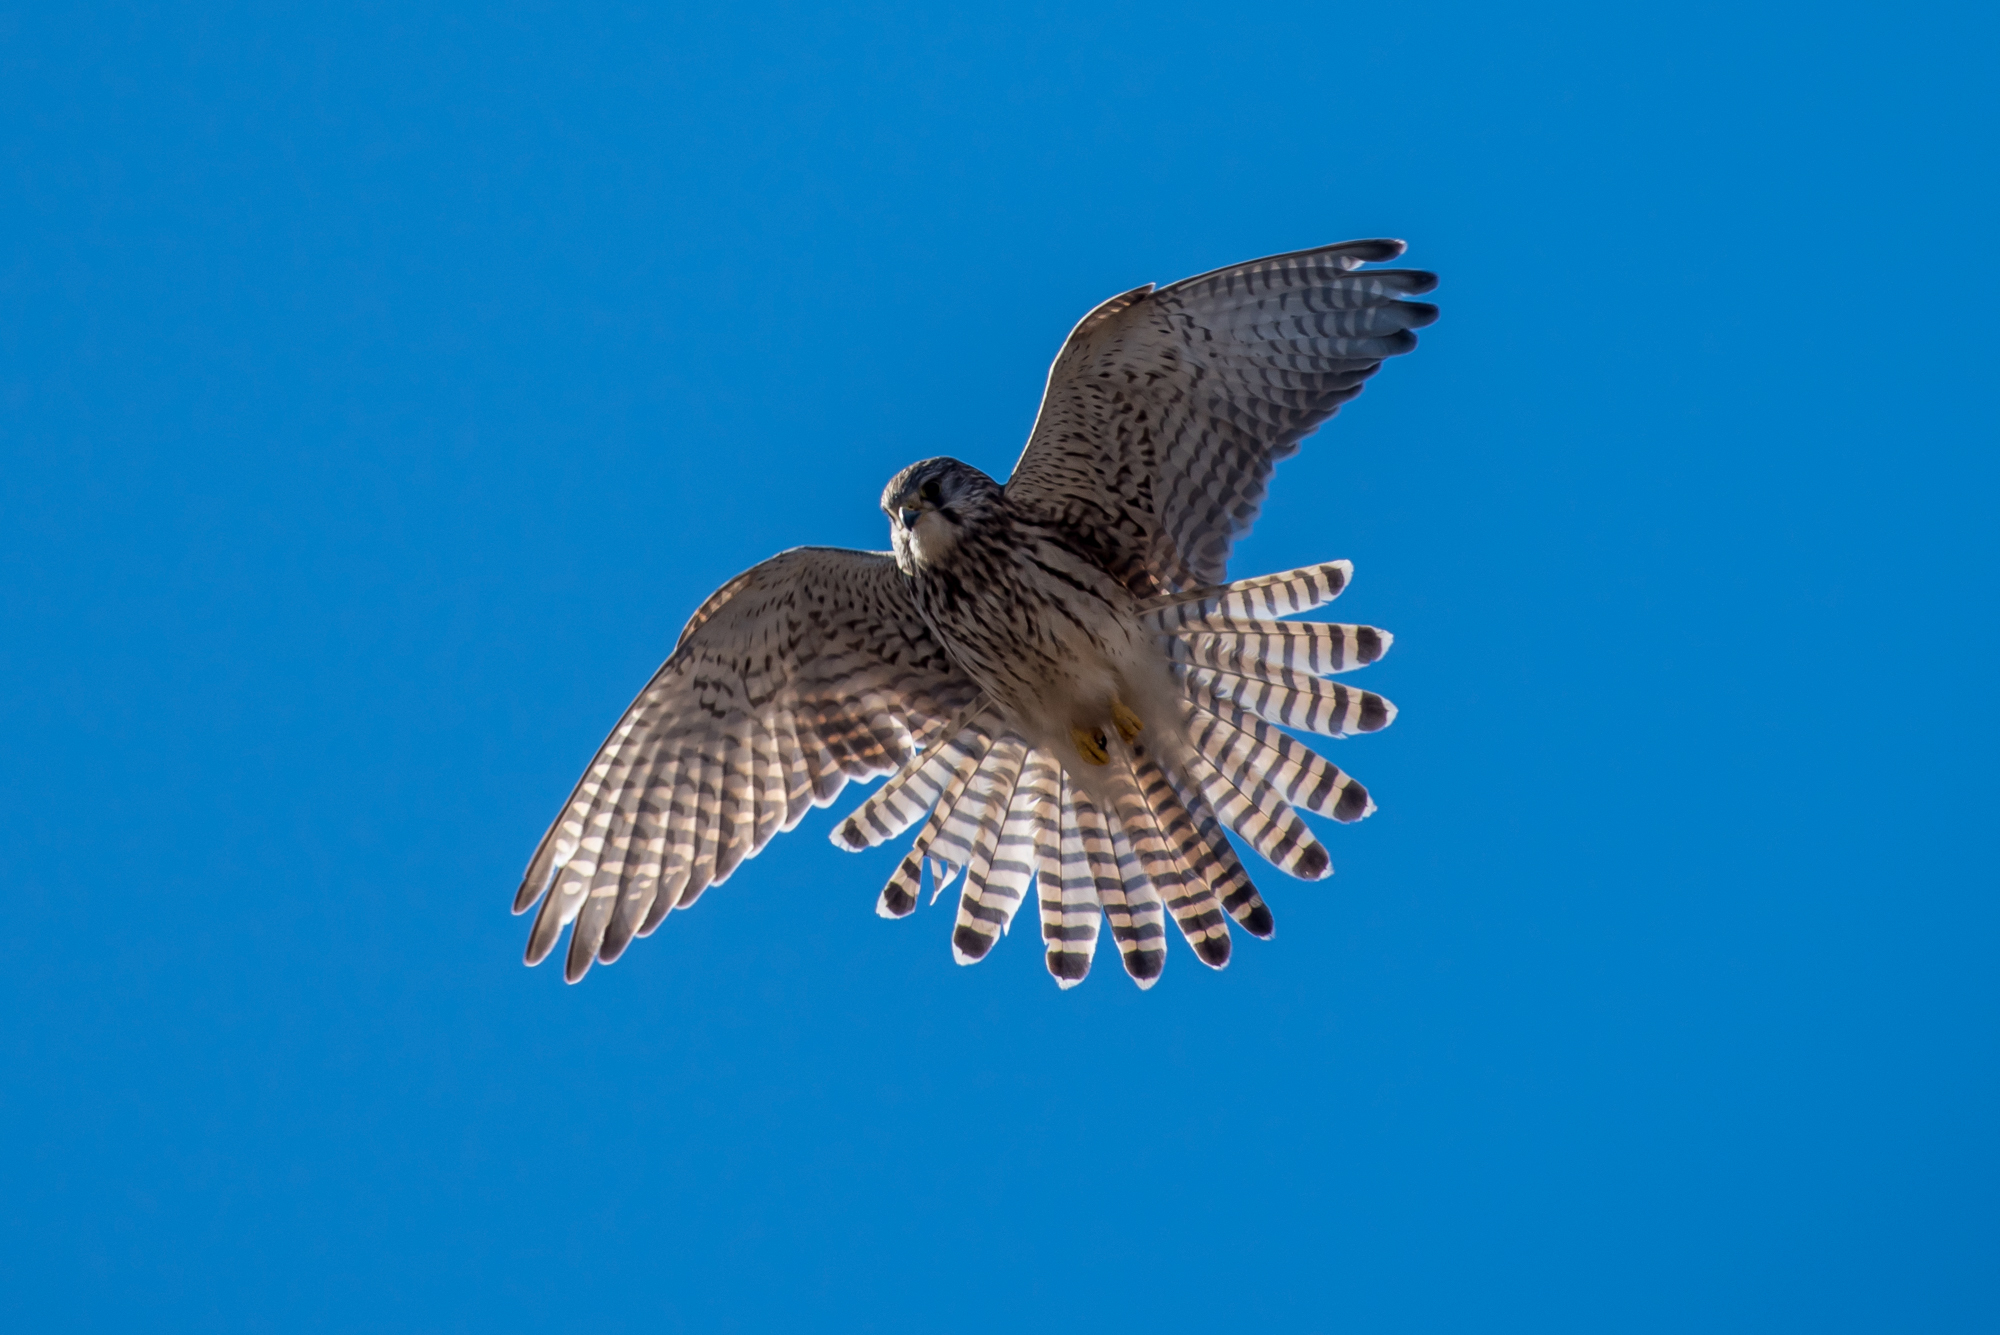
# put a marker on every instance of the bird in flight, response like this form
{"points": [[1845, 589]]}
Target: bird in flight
{"points": [[1052, 671]]}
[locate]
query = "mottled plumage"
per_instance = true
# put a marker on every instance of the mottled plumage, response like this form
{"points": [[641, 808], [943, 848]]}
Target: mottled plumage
{"points": [[1061, 687]]}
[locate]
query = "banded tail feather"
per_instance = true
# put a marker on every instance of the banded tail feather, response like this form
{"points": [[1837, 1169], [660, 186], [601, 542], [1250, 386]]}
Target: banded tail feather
{"points": [[972, 824], [1315, 648], [1228, 766], [1307, 703], [1265, 598], [1215, 858], [899, 896], [1070, 925], [1130, 904], [1305, 777], [1000, 874], [1183, 877], [916, 787]]}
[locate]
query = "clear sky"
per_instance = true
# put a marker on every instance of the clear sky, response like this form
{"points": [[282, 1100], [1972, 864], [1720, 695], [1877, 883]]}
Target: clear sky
{"points": [[381, 389]]}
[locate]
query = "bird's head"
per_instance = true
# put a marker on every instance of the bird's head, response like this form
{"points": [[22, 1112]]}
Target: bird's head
{"points": [[931, 504]]}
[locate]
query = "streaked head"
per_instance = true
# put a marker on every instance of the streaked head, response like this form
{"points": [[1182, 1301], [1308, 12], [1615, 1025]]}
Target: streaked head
{"points": [[929, 505]]}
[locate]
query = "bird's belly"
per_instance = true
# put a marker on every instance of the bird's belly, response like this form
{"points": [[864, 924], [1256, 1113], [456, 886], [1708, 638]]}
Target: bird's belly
{"points": [[1056, 644]]}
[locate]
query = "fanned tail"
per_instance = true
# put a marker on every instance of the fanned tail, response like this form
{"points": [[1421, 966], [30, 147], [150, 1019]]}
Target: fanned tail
{"points": [[1152, 841]]}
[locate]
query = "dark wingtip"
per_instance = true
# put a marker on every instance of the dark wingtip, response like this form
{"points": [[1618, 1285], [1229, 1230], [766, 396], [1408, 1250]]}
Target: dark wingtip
{"points": [[1373, 250], [616, 938], [1214, 951], [971, 945], [532, 886], [851, 836], [1312, 861], [1368, 645], [1417, 314], [1420, 282], [1258, 922], [896, 902], [1353, 803], [1374, 712]]}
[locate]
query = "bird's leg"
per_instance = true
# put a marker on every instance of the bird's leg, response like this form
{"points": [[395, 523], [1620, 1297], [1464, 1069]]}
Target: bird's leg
{"points": [[1090, 745], [1127, 723]]}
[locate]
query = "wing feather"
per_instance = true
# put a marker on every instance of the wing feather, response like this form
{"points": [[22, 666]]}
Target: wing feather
{"points": [[803, 672], [1167, 409]]}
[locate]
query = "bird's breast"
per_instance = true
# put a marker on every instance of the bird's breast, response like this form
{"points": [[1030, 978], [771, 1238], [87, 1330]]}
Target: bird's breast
{"points": [[1047, 633]]}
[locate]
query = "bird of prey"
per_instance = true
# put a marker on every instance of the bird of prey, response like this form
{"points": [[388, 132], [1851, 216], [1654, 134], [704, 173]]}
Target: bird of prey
{"points": [[1052, 672]]}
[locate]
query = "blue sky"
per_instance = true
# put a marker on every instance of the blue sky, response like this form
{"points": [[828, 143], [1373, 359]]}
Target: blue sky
{"points": [[381, 387]]}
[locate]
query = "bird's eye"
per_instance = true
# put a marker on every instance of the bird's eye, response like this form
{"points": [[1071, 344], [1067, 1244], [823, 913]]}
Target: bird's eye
{"points": [[908, 516], [929, 491]]}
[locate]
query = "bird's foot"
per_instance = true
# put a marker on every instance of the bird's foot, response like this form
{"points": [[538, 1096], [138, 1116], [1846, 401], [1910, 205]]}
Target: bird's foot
{"points": [[1127, 723], [1090, 745]]}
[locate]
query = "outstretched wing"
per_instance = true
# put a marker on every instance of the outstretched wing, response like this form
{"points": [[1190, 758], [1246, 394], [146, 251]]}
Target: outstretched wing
{"points": [[1166, 410], [801, 673]]}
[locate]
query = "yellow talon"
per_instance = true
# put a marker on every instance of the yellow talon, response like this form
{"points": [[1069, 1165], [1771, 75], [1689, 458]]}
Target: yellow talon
{"points": [[1127, 722], [1090, 744]]}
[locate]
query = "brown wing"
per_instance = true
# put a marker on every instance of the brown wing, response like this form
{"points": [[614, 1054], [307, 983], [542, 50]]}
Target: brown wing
{"points": [[1166, 410], [801, 673]]}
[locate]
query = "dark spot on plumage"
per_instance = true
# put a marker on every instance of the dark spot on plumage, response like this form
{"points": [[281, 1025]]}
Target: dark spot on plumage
{"points": [[1068, 966], [1374, 712], [1353, 804], [970, 943], [898, 901], [1258, 923], [851, 832], [1214, 951], [1367, 644], [1312, 863]]}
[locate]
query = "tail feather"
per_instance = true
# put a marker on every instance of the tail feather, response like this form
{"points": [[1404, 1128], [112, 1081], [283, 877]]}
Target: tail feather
{"points": [[1296, 701], [1182, 872], [997, 879], [1130, 903], [899, 896], [1213, 857], [1267, 596], [972, 823], [1228, 767], [1316, 648], [1305, 777], [1071, 916], [915, 788]]}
